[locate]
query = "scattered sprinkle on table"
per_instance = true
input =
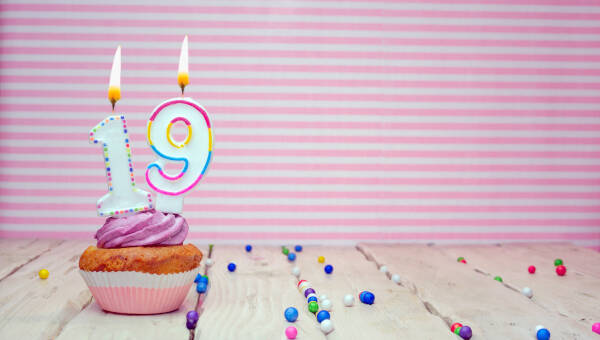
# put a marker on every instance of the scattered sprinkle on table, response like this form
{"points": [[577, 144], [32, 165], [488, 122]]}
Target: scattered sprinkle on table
{"points": [[298, 248], [558, 262], [498, 278], [321, 259], [296, 271], [326, 305], [328, 269], [323, 315], [596, 328], [465, 332], [313, 307], [366, 297], [543, 334], [348, 300], [461, 260], [191, 319], [291, 332], [44, 273], [527, 292], [531, 269], [396, 278], [291, 314], [209, 262], [383, 269], [561, 270], [248, 248], [326, 326], [291, 257], [231, 267], [285, 251], [455, 326]]}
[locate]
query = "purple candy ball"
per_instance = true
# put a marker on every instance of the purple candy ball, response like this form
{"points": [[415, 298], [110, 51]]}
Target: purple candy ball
{"points": [[192, 316], [309, 291], [190, 325], [466, 332]]}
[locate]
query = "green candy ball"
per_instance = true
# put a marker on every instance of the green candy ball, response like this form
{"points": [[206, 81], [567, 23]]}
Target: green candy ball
{"points": [[460, 259], [457, 330], [498, 278], [313, 307], [558, 262], [285, 251]]}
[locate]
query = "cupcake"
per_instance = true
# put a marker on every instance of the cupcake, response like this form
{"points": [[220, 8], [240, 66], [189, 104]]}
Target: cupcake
{"points": [[140, 264]]}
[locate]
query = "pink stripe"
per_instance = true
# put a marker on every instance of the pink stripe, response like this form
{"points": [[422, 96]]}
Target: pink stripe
{"points": [[360, 12], [313, 82], [327, 194], [296, 26], [379, 222], [491, 236], [101, 110], [374, 153], [337, 167], [7, 93], [294, 40], [590, 72], [335, 139], [252, 124], [331, 208], [216, 179]]}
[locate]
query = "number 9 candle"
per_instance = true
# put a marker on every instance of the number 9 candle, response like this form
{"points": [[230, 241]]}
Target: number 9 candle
{"points": [[193, 154], [123, 198]]}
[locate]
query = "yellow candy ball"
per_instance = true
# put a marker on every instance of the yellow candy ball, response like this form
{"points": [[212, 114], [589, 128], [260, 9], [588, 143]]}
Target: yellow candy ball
{"points": [[321, 259], [44, 274]]}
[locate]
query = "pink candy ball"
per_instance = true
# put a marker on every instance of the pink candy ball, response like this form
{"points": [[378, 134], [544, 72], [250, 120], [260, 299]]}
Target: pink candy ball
{"points": [[291, 332], [596, 327]]}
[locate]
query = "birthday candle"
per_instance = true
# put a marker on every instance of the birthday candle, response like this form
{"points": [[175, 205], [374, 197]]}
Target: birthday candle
{"points": [[193, 154], [123, 198]]}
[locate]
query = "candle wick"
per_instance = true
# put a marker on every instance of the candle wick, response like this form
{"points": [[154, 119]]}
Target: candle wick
{"points": [[113, 102], [182, 90]]}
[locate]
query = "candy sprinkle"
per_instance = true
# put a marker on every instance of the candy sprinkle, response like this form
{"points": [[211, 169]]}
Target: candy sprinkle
{"points": [[596, 328], [321, 259], [561, 270], [543, 334], [531, 269], [291, 332], [527, 292], [313, 307], [291, 314], [367, 297], [498, 278], [465, 332], [298, 248], [558, 262], [291, 257], [248, 248], [326, 326], [231, 267], [454, 326], [348, 300], [328, 269], [44, 273]]}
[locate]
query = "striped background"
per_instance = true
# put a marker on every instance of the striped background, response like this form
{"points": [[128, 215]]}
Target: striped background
{"points": [[335, 121]]}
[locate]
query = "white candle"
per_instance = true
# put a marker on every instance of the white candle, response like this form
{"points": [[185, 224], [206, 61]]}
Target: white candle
{"points": [[123, 198], [193, 153]]}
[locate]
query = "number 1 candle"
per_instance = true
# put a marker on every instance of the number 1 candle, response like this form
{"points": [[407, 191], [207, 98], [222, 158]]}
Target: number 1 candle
{"points": [[123, 198], [193, 154]]}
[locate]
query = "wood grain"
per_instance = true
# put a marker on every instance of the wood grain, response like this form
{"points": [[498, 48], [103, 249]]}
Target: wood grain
{"points": [[31, 308], [14, 254], [460, 294]]}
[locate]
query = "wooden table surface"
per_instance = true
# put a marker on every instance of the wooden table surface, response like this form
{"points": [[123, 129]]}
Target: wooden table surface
{"points": [[435, 291]]}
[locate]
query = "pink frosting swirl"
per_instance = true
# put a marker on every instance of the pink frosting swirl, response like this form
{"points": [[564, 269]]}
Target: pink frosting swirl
{"points": [[148, 228]]}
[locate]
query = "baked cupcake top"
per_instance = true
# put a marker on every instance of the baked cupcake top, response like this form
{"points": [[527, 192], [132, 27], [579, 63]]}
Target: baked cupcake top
{"points": [[148, 228]]}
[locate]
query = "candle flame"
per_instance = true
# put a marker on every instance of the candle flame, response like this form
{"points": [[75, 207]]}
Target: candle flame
{"points": [[114, 85], [183, 75]]}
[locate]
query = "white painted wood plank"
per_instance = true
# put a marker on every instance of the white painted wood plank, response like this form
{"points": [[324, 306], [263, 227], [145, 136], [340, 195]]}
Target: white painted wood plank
{"points": [[396, 313], [460, 294], [14, 253], [575, 295], [31, 308]]}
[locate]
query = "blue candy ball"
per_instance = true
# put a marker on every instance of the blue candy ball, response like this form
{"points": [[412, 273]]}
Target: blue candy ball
{"points": [[323, 315], [328, 269], [248, 248], [312, 298], [197, 279], [291, 257], [298, 248], [204, 279], [231, 267], [201, 287], [543, 334], [291, 314], [367, 297]]}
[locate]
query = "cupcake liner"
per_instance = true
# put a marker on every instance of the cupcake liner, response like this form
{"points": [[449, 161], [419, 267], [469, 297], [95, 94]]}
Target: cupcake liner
{"points": [[129, 292]]}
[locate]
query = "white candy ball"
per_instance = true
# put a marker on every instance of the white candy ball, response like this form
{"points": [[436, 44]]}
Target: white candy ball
{"points": [[396, 278], [527, 292], [296, 271], [326, 326], [209, 262], [326, 305], [303, 286], [538, 327], [383, 269], [348, 300], [322, 297]]}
